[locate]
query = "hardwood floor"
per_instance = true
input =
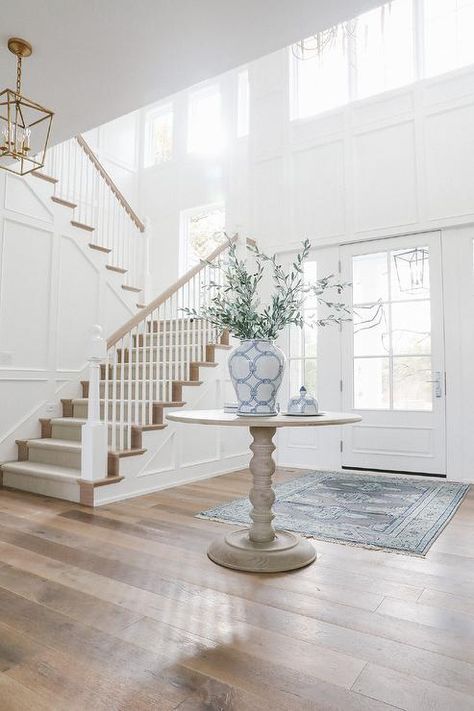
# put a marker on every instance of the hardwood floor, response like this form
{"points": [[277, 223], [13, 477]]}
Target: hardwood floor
{"points": [[120, 608]]}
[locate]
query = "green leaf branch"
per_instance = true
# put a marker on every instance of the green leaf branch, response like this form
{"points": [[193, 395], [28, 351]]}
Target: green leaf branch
{"points": [[235, 304]]}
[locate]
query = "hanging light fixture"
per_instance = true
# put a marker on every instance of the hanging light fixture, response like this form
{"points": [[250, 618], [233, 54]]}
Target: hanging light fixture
{"points": [[412, 270], [24, 124]]}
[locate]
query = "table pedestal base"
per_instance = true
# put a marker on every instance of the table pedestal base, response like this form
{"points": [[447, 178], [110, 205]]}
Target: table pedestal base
{"points": [[286, 551]]}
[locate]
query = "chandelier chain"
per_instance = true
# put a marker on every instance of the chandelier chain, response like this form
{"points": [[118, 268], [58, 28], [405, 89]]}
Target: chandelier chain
{"points": [[18, 76]]}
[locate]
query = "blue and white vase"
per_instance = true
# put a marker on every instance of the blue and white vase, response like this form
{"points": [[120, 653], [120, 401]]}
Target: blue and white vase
{"points": [[256, 369]]}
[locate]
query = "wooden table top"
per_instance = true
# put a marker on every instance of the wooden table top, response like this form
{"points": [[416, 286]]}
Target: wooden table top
{"points": [[230, 419]]}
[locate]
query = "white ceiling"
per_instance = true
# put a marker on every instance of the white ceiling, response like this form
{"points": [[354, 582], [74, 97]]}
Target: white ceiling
{"points": [[94, 60]]}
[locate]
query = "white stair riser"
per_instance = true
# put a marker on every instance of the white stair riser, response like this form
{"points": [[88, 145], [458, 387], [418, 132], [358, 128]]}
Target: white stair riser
{"points": [[146, 372], [140, 372], [166, 339], [55, 456], [70, 431], [40, 485], [160, 356], [139, 415], [74, 432], [148, 391]]}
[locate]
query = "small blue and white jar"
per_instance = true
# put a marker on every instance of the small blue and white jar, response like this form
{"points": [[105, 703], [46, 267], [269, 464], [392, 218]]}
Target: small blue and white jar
{"points": [[256, 369]]}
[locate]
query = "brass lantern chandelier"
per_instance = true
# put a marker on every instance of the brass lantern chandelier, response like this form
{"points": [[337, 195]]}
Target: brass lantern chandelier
{"points": [[24, 124]]}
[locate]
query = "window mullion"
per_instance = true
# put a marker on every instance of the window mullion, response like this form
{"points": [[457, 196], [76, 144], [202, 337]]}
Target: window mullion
{"points": [[352, 59], [419, 38]]}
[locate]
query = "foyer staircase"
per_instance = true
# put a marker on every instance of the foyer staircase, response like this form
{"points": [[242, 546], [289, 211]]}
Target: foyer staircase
{"points": [[152, 361]]}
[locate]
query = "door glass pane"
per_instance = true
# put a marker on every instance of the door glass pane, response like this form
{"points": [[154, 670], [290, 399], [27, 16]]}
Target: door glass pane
{"points": [[310, 375], [411, 328], [410, 274], [392, 318], [296, 342], [296, 376], [411, 391], [371, 383], [303, 341], [371, 336], [370, 278], [310, 334]]}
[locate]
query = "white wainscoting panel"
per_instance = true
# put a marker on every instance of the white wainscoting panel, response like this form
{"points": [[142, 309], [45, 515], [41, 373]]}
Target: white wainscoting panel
{"points": [[77, 304], [385, 178], [25, 294], [449, 163], [319, 207]]}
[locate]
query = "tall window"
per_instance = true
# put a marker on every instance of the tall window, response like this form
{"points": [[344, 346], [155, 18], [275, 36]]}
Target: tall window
{"points": [[376, 51], [320, 81], [449, 28], [384, 48], [201, 233], [303, 342], [159, 135], [243, 103], [205, 130], [392, 330]]}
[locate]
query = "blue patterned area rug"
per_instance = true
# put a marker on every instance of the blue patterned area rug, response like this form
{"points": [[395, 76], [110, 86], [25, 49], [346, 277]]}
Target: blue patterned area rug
{"points": [[396, 513]]}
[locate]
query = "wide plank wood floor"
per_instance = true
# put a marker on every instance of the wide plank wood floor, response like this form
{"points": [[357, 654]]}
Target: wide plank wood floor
{"points": [[119, 608]]}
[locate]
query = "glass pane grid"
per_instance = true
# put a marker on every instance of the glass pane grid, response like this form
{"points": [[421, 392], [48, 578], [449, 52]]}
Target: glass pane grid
{"points": [[303, 342], [392, 354]]}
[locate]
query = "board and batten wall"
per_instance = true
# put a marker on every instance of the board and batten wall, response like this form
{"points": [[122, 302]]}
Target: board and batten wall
{"points": [[53, 288]]}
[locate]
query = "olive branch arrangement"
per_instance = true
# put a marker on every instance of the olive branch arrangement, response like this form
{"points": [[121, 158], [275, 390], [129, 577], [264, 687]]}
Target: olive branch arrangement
{"points": [[235, 303]]}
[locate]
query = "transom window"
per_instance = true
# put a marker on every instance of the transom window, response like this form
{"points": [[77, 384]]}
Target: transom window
{"points": [[159, 135], [386, 48], [392, 330], [202, 231]]}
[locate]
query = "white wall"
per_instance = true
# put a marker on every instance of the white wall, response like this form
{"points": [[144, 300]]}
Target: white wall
{"points": [[53, 288]]}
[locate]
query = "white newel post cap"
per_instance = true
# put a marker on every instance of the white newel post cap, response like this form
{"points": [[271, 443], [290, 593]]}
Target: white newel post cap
{"points": [[97, 347]]}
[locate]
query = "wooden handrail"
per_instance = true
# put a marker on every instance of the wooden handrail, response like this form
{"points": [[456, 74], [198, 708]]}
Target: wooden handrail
{"points": [[135, 320], [100, 168]]}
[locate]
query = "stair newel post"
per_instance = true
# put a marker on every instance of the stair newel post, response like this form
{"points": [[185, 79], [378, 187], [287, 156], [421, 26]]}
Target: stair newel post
{"points": [[94, 432]]}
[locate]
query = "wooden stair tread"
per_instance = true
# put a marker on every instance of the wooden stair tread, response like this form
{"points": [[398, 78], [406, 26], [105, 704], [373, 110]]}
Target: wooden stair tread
{"points": [[151, 428], [135, 289], [176, 403], [61, 201], [43, 176], [82, 226], [38, 469], [204, 364], [127, 452], [99, 248], [66, 421], [192, 383], [119, 270]]}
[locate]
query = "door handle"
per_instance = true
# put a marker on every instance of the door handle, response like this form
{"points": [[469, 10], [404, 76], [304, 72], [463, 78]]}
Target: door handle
{"points": [[438, 389]]}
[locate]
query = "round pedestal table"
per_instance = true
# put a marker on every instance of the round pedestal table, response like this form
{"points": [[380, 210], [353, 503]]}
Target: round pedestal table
{"points": [[260, 548]]}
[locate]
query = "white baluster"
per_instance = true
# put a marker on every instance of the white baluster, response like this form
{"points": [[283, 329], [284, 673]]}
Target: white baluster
{"points": [[94, 432]]}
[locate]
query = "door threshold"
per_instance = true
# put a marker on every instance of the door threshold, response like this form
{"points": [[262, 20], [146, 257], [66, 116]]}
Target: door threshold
{"points": [[393, 471]]}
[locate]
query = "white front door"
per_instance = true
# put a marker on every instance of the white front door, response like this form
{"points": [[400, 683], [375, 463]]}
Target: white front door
{"points": [[393, 356]]}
